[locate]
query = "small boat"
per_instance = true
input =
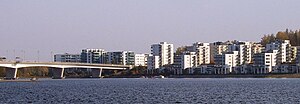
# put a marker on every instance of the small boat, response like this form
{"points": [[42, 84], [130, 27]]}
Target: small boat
{"points": [[160, 76], [33, 79]]}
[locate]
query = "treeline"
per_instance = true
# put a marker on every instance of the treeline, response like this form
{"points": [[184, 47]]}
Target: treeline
{"points": [[293, 36], [43, 72], [29, 72]]}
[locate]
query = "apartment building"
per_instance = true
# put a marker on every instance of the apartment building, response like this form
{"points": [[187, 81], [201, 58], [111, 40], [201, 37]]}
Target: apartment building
{"points": [[244, 52], [285, 51], [265, 62], [165, 52], [185, 61], [66, 57], [256, 48], [202, 52], [93, 56], [217, 48], [140, 59], [228, 60], [152, 64], [121, 57]]}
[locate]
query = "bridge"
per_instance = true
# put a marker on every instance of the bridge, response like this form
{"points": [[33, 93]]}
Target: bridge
{"points": [[58, 73]]}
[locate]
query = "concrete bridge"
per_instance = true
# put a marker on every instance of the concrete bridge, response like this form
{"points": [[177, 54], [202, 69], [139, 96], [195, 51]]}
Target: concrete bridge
{"points": [[12, 68]]}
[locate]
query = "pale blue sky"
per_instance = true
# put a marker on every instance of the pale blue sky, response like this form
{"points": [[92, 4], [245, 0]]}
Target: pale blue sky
{"points": [[71, 25]]}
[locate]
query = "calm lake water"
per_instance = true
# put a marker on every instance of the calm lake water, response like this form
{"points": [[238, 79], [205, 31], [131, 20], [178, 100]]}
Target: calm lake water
{"points": [[247, 91]]}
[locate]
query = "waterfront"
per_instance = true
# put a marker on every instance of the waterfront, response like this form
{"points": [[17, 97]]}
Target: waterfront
{"points": [[186, 90]]}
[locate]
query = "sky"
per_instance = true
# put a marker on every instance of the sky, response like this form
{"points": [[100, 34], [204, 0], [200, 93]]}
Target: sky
{"points": [[35, 30]]}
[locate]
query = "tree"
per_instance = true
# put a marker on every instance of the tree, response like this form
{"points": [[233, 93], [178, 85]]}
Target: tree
{"points": [[282, 36], [293, 36], [2, 72], [138, 70], [267, 39], [180, 50]]}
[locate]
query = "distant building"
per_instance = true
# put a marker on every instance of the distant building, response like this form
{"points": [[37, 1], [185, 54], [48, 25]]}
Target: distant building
{"points": [[121, 57], [294, 53], [203, 53], [177, 64], [206, 69], [67, 58], [164, 51], [188, 61], [185, 61], [265, 62], [256, 48], [244, 52], [244, 69], [93, 56], [285, 51], [140, 59], [287, 68], [153, 63], [228, 60], [298, 55], [217, 48]]}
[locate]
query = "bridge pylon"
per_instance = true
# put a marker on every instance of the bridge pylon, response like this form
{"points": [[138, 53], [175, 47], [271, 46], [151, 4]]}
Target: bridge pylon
{"points": [[11, 73], [58, 73], [96, 73]]}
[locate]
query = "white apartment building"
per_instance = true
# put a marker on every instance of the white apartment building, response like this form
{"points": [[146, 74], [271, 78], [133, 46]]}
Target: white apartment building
{"points": [[93, 56], [284, 54], [228, 60], [67, 57], [188, 60], [153, 63], [185, 61], [203, 53], [244, 51], [165, 52], [265, 62], [140, 59]]}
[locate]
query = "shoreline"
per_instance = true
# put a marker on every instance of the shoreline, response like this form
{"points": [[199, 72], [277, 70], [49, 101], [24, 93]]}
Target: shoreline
{"points": [[239, 76], [16, 81], [178, 76], [220, 76]]}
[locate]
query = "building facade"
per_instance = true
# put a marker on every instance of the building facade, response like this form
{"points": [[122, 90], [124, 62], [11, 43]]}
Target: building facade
{"points": [[93, 56], [165, 53], [203, 53], [121, 57], [244, 52], [265, 62], [152, 64], [228, 60], [256, 48], [285, 51], [185, 61], [217, 48], [140, 59], [67, 58]]}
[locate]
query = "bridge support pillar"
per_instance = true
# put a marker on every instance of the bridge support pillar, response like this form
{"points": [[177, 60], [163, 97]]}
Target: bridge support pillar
{"points": [[96, 73], [58, 73], [11, 73]]}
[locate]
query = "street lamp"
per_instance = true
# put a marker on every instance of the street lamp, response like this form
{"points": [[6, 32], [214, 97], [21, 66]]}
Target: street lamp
{"points": [[38, 53]]}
